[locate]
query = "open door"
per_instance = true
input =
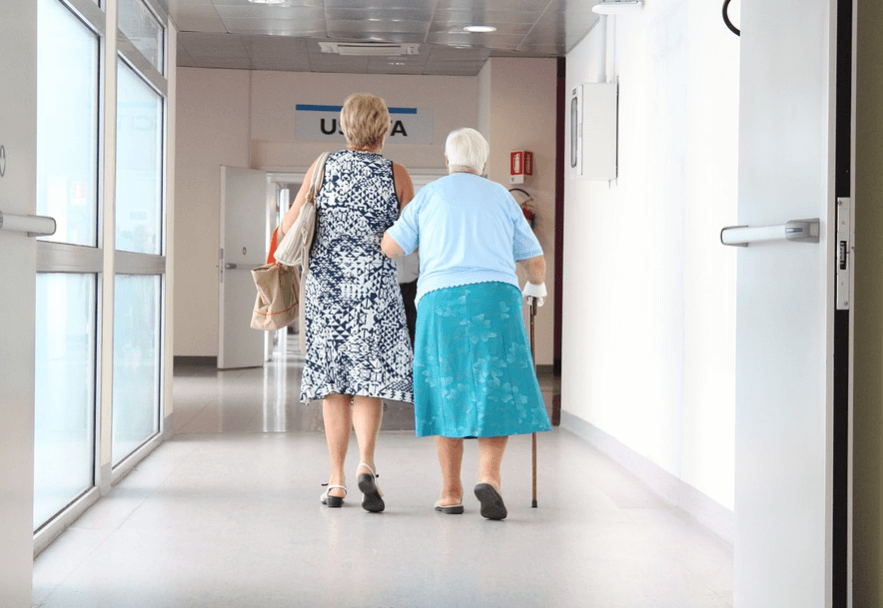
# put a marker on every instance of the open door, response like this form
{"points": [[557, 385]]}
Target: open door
{"points": [[243, 247], [793, 347]]}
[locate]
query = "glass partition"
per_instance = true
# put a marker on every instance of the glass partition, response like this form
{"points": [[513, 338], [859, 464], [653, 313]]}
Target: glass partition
{"points": [[143, 30], [65, 391], [139, 165], [136, 362], [67, 125]]}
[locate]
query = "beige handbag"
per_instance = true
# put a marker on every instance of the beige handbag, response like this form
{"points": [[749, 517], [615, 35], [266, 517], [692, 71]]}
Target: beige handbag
{"points": [[276, 303], [294, 248]]}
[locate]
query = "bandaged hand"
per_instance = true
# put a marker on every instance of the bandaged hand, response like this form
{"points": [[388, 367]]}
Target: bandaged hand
{"points": [[532, 290]]}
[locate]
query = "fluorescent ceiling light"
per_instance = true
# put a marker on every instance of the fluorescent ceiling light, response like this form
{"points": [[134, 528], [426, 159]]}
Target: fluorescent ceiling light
{"points": [[617, 7], [480, 29]]}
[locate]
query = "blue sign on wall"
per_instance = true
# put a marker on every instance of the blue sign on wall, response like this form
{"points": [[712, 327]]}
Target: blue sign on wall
{"points": [[322, 123]]}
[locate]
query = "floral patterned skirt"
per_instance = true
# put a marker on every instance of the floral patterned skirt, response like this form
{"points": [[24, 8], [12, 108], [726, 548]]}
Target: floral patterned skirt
{"points": [[473, 373]]}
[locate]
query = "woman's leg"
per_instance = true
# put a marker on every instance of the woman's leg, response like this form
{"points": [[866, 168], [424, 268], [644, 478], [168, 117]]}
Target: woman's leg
{"points": [[450, 458], [338, 425], [367, 415], [490, 457]]}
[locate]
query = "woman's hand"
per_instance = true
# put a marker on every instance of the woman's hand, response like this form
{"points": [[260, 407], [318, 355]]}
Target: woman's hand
{"points": [[390, 247], [534, 290]]}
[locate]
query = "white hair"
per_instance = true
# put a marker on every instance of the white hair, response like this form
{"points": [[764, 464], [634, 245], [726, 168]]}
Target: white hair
{"points": [[467, 148]]}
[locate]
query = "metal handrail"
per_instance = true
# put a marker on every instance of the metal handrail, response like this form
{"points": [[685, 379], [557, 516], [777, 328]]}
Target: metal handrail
{"points": [[33, 225]]}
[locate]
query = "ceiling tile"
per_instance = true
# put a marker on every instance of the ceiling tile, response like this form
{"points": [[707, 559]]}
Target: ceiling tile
{"points": [[427, 6], [279, 27], [203, 19], [358, 27], [485, 17], [212, 45], [270, 13], [500, 5], [375, 14]]}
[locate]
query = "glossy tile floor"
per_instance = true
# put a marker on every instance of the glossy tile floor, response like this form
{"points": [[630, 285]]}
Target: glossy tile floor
{"points": [[227, 514]]}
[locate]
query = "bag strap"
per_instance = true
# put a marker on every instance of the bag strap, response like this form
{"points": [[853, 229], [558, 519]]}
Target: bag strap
{"points": [[318, 177]]}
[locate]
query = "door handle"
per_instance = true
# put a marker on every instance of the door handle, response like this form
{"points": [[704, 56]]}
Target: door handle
{"points": [[34, 225], [238, 267], [799, 231]]}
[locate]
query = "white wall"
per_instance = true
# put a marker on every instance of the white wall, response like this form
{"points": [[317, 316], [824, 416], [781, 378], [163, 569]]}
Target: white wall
{"points": [[212, 130], [18, 194], [519, 97], [649, 292]]}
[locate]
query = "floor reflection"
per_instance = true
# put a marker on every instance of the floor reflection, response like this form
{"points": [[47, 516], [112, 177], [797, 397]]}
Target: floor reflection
{"points": [[266, 399]]}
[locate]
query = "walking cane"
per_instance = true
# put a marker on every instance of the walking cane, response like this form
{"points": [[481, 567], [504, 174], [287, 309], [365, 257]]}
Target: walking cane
{"points": [[533, 355]]}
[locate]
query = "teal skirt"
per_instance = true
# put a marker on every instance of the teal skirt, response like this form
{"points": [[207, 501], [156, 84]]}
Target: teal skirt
{"points": [[473, 372]]}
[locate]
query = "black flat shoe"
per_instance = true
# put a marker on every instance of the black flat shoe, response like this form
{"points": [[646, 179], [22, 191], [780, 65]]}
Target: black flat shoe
{"points": [[492, 506], [332, 501], [372, 501]]}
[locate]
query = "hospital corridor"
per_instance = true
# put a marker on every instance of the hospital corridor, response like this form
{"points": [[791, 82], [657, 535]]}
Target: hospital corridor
{"points": [[651, 227]]}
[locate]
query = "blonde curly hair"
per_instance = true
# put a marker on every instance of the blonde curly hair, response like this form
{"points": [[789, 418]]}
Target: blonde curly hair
{"points": [[365, 121]]}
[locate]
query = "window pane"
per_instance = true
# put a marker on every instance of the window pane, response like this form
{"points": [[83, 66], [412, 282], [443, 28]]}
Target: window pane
{"points": [[135, 363], [67, 124], [65, 391], [139, 165], [143, 30]]}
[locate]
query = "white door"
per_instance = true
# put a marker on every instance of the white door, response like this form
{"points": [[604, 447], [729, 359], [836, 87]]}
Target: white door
{"points": [[243, 247], [790, 491], [18, 273]]}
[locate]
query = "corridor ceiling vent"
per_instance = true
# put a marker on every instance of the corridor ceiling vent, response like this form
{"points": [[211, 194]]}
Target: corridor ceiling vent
{"points": [[370, 49], [617, 7]]}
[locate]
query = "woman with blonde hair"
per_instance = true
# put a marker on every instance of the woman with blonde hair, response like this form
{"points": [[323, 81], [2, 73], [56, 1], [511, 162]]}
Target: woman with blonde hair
{"points": [[473, 373], [358, 349]]}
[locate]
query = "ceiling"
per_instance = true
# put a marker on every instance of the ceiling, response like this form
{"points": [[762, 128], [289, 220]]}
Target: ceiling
{"points": [[236, 34]]}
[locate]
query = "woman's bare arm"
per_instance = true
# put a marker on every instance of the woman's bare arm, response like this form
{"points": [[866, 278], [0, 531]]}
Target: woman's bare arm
{"points": [[404, 185], [291, 215], [535, 268]]}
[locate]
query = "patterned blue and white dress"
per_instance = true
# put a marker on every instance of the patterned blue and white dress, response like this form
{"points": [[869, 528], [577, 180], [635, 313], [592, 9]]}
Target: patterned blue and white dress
{"points": [[356, 333]]}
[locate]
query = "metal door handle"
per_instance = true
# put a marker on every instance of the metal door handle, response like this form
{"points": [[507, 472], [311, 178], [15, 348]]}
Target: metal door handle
{"points": [[237, 267], [801, 231], [34, 225]]}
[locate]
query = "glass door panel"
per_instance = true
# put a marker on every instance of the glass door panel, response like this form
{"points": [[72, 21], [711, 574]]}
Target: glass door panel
{"points": [[67, 124], [65, 391], [136, 363], [139, 165]]}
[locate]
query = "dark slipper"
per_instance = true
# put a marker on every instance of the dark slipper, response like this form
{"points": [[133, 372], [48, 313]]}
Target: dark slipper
{"points": [[492, 506], [450, 509], [372, 501]]}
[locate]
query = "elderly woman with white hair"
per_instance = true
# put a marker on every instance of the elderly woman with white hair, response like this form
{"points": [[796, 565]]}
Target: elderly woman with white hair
{"points": [[473, 373]]}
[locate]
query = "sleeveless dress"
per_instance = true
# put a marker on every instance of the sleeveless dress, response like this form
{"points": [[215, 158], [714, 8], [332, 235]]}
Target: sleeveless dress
{"points": [[356, 333]]}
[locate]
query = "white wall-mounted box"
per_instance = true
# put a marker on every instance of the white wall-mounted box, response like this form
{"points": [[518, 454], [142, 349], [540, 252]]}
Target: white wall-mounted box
{"points": [[593, 131]]}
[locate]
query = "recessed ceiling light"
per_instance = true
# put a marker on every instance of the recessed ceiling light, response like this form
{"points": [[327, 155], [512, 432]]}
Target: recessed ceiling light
{"points": [[268, 1], [480, 29]]}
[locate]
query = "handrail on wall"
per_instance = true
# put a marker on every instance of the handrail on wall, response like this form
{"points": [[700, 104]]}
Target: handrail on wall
{"points": [[33, 225]]}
